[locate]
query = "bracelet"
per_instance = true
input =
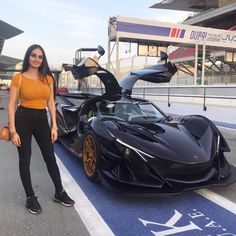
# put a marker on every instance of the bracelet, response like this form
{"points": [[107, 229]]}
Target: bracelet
{"points": [[13, 133], [54, 128]]}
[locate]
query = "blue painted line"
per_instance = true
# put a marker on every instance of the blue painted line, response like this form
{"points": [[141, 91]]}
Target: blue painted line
{"points": [[185, 214], [143, 29], [148, 29]]}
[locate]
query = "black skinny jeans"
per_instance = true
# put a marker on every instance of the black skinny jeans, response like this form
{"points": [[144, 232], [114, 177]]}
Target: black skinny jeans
{"points": [[34, 122]]}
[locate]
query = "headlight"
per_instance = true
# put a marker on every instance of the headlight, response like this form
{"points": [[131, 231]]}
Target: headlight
{"points": [[128, 151]]}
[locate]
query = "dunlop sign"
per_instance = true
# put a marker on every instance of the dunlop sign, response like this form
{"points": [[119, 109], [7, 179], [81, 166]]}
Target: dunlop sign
{"points": [[131, 29]]}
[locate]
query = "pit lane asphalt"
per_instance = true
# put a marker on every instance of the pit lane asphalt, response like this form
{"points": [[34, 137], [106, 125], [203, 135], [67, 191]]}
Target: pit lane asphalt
{"points": [[56, 220], [196, 213], [15, 220]]}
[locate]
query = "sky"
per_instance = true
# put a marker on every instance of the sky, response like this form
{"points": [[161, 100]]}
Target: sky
{"points": [[62, 27]]}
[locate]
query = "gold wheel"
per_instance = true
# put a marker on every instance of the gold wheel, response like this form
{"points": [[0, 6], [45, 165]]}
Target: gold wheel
{"points": [[89, 156]]}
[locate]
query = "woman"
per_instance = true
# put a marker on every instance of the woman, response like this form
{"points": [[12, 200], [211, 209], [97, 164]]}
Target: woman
{"points": [[36, 92]]}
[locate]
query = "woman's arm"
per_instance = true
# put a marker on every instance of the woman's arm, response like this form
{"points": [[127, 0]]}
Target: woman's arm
{"points": [[13, 97]]}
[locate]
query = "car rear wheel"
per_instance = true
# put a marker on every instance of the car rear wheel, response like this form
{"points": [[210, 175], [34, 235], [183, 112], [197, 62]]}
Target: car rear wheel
{"points": [[90, 156]]}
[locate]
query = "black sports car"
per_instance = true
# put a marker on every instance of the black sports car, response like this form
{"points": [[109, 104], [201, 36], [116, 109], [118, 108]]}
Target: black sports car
{"points": [[133, 147]]}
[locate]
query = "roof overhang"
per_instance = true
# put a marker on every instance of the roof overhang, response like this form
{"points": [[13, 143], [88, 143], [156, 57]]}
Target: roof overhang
{"points": [[186, 5], [212, 14], [8, 31], [6, 62]]}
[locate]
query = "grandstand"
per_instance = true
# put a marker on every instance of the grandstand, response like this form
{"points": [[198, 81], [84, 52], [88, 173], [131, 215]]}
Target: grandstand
{"points": [[7, 31], [220, 65]]}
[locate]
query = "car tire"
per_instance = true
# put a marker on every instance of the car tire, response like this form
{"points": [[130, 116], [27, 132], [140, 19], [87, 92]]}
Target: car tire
{"points": [[90, 153]]}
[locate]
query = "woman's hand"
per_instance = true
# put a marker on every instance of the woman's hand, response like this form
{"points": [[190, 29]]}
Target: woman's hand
{"points": [[53, 134], [15, 138]]}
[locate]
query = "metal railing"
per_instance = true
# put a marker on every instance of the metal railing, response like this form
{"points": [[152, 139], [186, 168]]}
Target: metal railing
{"points": [[205, 95]]}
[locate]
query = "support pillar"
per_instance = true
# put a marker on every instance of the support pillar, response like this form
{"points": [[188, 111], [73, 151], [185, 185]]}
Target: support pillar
{"points": [[117, 59], [196, 64], [109, 55], [203, 62]]}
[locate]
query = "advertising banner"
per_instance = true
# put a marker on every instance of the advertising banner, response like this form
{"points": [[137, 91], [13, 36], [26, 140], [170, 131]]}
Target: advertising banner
{"points": [[138, 29]]}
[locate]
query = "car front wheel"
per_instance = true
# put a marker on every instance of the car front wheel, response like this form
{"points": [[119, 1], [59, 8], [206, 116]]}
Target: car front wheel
{"points": [[90, 156]]}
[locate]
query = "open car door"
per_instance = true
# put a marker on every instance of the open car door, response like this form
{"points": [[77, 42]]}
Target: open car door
{"points": [[89, 66], [161, 73]]}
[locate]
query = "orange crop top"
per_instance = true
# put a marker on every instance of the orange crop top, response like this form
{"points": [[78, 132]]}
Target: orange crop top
{"points": [[33, 93]]}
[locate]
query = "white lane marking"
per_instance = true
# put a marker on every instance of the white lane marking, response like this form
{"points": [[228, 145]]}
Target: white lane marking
{"points": [[218, 199], [91, 218]]}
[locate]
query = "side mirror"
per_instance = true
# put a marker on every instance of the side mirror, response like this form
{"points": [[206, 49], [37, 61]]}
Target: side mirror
{"points": [[78, 56], [164, 56], [169, 118], [100, 50]]}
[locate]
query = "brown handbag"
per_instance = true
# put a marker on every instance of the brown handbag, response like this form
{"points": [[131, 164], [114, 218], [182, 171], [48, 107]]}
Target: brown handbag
{"points": [[5, 133], [5, 129]]}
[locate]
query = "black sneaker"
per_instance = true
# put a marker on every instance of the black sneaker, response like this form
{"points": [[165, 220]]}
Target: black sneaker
{"points": [[33, 205], [64, 199]]}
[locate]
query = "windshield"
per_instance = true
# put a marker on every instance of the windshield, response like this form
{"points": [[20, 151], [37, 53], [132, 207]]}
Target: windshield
{"points": [[130, 112]]}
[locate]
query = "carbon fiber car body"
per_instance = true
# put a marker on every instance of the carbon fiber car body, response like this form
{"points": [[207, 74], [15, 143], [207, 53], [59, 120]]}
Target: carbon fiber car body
{"points": [[141, 150]]}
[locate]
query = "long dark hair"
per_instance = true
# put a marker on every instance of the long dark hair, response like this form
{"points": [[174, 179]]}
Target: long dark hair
{"points": [[44, 69]]}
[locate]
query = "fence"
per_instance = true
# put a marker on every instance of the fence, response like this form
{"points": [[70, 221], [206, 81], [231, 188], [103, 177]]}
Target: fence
{"points": [[204, 95]]}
